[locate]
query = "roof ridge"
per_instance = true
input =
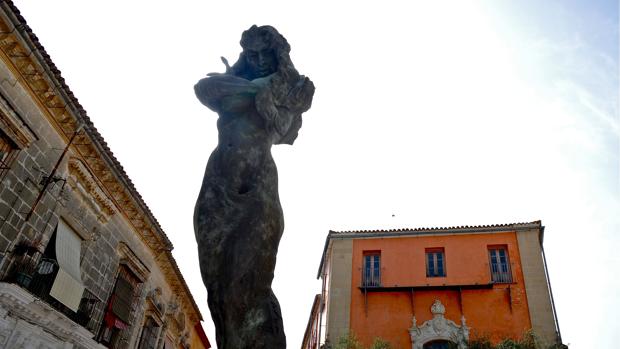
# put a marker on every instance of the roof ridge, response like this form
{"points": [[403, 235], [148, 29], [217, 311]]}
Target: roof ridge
{"points": [[459, 227]]}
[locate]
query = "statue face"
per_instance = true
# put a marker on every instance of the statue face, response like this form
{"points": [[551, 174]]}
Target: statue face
{"points": [[261, 60]]}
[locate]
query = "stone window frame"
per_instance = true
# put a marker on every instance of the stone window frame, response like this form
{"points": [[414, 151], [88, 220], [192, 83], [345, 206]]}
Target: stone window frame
{"points": [[160, 331], [432, 258], [15, 135], [127, 260]]}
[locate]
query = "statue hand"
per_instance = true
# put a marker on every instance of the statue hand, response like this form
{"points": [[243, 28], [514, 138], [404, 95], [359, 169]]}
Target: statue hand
{"points": [[225, 61], [228, 68]]}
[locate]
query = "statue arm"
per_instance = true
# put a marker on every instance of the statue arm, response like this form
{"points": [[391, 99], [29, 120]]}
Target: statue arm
{"points": [[226, 93], [281, 107]]}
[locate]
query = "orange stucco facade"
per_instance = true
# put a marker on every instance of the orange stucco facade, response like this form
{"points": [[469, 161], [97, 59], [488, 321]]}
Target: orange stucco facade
{"points": [[388, 314], [471, 298]]}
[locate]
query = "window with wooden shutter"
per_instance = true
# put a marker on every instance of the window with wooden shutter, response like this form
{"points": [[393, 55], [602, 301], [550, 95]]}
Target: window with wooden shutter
{"points": [[150, 334], [121, 305], [123, 297]]}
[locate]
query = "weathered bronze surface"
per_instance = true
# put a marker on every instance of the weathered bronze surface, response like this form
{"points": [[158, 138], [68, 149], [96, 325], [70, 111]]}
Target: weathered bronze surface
{"points": [[238, 219]]}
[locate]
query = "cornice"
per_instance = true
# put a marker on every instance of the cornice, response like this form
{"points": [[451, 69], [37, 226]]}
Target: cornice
{"points": [[26, 58], [25, 306], [81, 180]]}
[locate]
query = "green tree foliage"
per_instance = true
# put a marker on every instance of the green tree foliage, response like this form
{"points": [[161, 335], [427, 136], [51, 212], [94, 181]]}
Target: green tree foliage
{"points": [[348, 342], [379, 343], [351, 342], [528, 341]]}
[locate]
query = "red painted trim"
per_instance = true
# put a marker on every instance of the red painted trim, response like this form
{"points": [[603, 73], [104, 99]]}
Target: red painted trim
{"points": [[202, 335]]}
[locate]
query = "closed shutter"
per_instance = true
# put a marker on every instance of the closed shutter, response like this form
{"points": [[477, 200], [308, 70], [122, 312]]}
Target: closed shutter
{"points": [[123, 296]]}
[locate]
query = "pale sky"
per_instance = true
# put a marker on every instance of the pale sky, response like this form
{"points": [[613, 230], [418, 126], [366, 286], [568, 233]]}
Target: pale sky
{"points": [[426, 114]]}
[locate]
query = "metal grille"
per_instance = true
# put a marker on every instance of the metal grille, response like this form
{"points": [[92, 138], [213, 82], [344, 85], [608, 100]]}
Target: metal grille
{"points": [[38, 278], [371, 273]]}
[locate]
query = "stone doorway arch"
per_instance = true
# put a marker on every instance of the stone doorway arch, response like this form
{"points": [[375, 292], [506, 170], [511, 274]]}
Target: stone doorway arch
{"points": [[438, 330], [437, 344]]}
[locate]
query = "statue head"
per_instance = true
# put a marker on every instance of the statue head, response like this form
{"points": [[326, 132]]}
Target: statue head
{"points": [[265, 51]]}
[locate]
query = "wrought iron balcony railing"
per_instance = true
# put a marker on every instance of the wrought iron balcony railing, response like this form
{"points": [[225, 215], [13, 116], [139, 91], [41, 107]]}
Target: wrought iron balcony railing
{"points": [[38, 278], [371, 279], [501, 277]]}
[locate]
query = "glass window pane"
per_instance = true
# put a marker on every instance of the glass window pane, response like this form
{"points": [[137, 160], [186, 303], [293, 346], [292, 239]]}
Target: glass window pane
{"points": [[431, 264]]}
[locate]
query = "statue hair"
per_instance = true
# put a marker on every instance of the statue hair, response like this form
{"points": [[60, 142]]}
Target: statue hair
{"points": [[273, 40]]}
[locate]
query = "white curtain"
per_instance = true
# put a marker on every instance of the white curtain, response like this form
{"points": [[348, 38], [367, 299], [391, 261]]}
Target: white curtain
{"points": [[68, 287]]}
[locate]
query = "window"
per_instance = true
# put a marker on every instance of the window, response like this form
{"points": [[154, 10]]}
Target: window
{"points": [[68, 287], [435, 262], [120, 307], [500, 268], [8, 151], [150, 333], [372, 269]]}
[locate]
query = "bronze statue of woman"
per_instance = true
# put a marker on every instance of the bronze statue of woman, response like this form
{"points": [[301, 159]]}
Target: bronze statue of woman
{"points": [[238, 219]]}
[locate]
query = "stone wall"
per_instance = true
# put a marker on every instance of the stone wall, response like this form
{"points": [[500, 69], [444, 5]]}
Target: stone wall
{"points": [[340, 269]]}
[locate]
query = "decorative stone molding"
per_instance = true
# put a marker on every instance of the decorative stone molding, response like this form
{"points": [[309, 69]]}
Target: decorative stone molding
{"points": [[439, 328], [84, 184], [132, 261], [175, 317], [29, 322], [154, 297]]}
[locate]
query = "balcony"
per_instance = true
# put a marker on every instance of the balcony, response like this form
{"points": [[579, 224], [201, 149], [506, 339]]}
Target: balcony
{"points": [[37, 277], [37, 323], [371, 279], [501, 277]]}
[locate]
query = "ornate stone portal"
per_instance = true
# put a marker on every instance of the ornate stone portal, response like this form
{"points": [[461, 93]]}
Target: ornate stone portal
{"points": [[238, 219], [439, 328]]}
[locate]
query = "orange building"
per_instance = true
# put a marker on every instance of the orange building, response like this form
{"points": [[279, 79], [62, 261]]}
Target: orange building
{"points": [[423, 288]]}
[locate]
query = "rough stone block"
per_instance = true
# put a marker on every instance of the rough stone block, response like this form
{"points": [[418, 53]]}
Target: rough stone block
{"points": [[9, 232]]}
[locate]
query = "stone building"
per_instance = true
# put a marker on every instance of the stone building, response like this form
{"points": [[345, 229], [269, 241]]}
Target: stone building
{"points": [[424, 288], [83, 262]]}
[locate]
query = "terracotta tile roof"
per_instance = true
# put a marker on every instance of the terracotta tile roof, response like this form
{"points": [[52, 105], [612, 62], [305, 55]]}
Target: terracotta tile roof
{"points": [[441, 229]]}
